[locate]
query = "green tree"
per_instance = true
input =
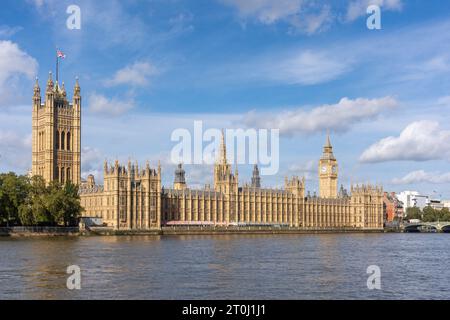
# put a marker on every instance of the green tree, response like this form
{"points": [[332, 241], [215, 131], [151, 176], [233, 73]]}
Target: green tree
{"points": [[63, 203], [445, 215], [434, 215], [14, 190], [51, 205], [34, 211], [430, 214], [413, 213], [72, 204]]}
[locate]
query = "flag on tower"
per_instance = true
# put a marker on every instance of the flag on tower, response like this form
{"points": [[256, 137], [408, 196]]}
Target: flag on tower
{"points": [[60, 54]]}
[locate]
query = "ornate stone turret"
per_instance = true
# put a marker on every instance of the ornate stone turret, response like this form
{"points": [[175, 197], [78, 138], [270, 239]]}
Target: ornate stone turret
{"points": [[256, 179], [37, 89], [224, 180], [77, 89], [295, 186], [90, 181], [50, 82], [343, 192], [63, 90], [36, 97], [180, 179]]}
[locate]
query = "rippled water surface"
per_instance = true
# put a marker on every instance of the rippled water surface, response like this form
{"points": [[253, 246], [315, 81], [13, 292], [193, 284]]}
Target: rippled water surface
{"points": [[413, 266]]}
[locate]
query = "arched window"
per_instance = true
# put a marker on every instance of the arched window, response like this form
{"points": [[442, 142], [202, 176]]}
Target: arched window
{"points": [[62, 175], [57, 139], [63, 138], [68, 177], [57, 174], [68, 141]]}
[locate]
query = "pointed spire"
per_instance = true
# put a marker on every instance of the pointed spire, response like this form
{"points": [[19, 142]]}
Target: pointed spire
{"points": [[77, 88], [180, 175], [328, 148], [328, 142], [105, 167], [223, 149], [50, 82], [256, 179], [63, 89], [37, 88]]}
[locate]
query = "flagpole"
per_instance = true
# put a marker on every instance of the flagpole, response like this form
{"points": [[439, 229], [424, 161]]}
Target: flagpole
{"points": [[57, 67]]}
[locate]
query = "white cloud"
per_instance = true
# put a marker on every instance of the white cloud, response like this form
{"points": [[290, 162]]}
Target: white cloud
{"points": [[181, 23], [91, 161], [315, 22], [306, 169], [113, 107], [292, 67], [307, 68], [197, 176], [14, 65], [358, 8], [432, 66], [303, 16], [336, 117], [137, 74], [6, 31], [37, 3], [15, 150], [266, 11], [419, 141], [306, 16], [444, 101], [421, 176]]}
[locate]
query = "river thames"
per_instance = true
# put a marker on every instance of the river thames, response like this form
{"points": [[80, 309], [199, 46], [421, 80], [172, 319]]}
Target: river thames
{"points": [[326, 266]]}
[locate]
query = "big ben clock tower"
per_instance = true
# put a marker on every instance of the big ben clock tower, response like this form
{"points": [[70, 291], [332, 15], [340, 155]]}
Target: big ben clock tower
{"points": [[328, 172]]}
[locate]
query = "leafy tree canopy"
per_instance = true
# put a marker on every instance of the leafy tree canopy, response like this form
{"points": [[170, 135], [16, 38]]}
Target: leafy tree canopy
{"points": [[31, 202]]}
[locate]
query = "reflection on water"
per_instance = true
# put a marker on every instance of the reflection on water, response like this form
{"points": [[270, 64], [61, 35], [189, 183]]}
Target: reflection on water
{"points": [[330, 266]]}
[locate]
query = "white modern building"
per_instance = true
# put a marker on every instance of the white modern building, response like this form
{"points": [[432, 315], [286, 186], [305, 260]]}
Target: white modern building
{"points": [[413, 199], [446, 203], [436, 204]]}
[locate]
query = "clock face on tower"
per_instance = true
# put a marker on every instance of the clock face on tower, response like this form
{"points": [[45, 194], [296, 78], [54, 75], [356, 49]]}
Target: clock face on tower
{"points": [[334, 169], [324, 169]]}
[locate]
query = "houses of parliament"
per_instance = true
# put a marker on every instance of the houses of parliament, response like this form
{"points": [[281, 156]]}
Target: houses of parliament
{"points": [[132, 197]]}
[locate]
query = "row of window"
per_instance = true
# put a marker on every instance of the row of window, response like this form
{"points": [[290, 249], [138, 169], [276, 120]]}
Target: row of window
{"points": [[123, 185], [123, 215], [63, 141], [63, 175], [41, 140]]}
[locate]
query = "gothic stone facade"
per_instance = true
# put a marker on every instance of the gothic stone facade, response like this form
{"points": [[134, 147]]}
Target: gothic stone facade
{"points": [[129, 199], [132, 198], [56, 134], [139, 202]]}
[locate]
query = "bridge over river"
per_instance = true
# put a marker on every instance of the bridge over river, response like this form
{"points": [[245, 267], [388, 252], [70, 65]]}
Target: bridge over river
{"points": [[427, 227]]}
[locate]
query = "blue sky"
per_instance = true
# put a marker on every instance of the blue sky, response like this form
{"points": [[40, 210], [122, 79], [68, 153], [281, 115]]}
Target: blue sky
{"points": [[303, 66]]}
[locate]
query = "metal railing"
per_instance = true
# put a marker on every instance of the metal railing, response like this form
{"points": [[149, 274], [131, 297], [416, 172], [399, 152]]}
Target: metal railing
{"points": [[44, 230]]}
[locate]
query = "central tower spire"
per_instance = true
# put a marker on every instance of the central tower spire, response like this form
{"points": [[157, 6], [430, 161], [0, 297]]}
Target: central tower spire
{"points": [[328, 148], [223, 150], [328, 171]]}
